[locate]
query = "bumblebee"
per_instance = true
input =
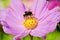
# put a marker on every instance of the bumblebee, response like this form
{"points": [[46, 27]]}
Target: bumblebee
{"points": [[27, 13]]}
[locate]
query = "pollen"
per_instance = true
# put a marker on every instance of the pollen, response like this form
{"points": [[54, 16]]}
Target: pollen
{"points": [[30, 23]]}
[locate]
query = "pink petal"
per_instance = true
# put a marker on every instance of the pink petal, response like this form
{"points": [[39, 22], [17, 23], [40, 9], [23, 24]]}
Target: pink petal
{"points": [[17, 7], [52, 4], [47, 23], [47, 13], [2, 14], [38, 7], [15, 30], [25, 33], [44, 28]]}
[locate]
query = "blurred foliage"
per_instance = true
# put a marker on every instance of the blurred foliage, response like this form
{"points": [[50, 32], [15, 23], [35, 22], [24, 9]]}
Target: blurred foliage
{"points": [[37, 38], [4, 36], [26, 38], [4, 3], [53, 35]]}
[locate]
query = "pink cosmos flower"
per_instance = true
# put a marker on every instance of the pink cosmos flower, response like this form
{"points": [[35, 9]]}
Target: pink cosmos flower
{"points": [[20, 21], [53, 3]]}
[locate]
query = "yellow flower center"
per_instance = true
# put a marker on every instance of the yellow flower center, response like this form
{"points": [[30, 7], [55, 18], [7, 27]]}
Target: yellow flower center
{"points": [[30, 23]]}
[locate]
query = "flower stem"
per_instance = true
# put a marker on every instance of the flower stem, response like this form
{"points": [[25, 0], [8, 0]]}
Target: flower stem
{"points": [[31, 37], [1, 28]]}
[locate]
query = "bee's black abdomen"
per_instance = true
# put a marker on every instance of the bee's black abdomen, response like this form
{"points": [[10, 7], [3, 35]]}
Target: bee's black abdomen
{"points": [[27, 13]]}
